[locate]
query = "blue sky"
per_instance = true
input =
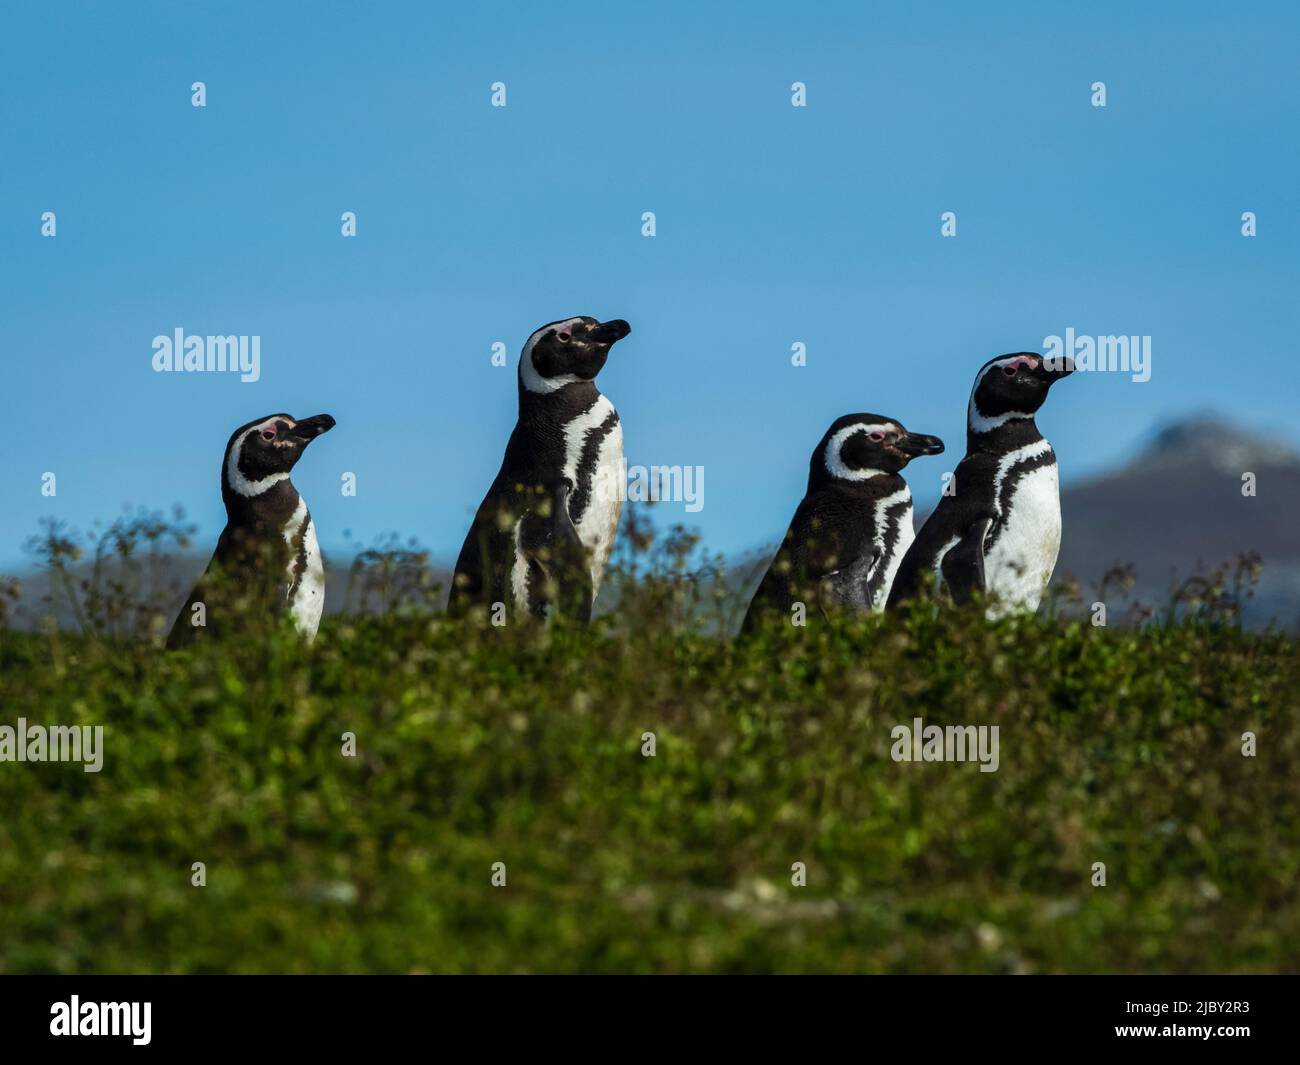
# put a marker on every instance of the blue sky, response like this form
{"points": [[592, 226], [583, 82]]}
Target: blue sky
{"points": [[477, 224]]}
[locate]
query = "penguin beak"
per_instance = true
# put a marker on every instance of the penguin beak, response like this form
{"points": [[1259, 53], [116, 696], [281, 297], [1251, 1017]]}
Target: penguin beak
{"points": [[310, 428], [913, 444], [609, 332], [1052, 370]]}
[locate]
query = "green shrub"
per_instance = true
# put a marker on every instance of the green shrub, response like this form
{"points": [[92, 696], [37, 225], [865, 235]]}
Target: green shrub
{"points": [[523, 746]]}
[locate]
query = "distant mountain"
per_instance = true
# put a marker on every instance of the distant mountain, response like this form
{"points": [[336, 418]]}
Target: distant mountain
{"points": [[1178, 508]]}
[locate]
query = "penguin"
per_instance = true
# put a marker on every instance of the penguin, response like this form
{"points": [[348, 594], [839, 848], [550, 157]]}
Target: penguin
{"points": [[999, 531], [267, 557], [542, 536], [853, 525]]}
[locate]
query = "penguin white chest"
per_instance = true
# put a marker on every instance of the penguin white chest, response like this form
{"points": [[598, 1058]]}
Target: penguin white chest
{"points": [[594, 462], [1019, 565], [305, 590], [903, 533]]}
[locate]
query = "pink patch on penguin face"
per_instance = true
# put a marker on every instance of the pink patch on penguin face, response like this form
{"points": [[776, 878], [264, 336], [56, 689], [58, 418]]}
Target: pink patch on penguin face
{"points": [[1011, 367]]}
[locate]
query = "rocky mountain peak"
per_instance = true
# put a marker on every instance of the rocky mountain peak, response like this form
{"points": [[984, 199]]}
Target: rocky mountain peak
{"points": [[1206, 440]]}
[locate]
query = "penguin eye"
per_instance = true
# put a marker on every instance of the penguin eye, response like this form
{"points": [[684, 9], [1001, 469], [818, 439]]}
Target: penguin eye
{"points": [[564, 337], [268, 434], [1011, 371], [877, 436]]}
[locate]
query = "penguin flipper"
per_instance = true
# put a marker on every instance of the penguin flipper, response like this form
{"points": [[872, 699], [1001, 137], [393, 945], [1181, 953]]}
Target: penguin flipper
{"points": [[826, 600], [578, 592], [550, 540], [875, 575], [963, 565]]}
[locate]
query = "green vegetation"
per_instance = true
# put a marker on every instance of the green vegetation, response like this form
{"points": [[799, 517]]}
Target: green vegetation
{"points": [[482, 745]]}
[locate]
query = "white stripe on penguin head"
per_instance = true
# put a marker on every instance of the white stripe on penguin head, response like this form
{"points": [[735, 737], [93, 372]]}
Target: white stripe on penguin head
{"points": [[241, 485], [534, 381], [978, 422], [836, 465]]}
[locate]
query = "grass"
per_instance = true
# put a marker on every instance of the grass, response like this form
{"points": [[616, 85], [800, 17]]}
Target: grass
{"points": [[478, 745]]}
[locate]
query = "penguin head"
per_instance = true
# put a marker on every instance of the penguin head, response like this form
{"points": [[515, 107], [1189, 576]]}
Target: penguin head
{"points": [[261, 453], [563, 352], [858, 447], [1012, 387]]}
